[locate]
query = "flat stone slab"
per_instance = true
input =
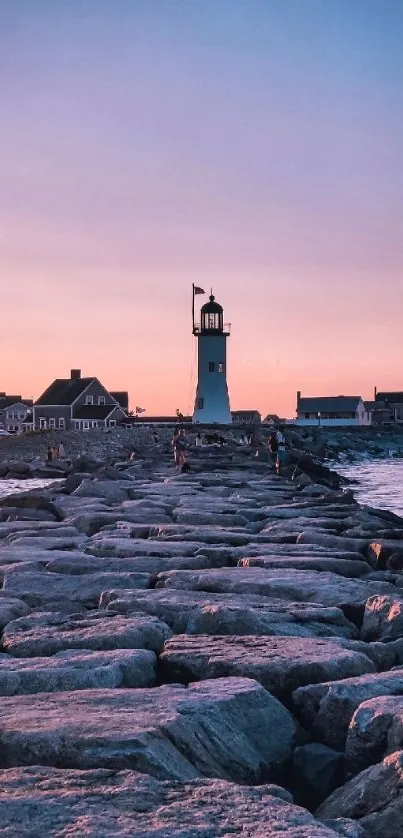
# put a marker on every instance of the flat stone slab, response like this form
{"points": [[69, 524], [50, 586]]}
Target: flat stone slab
{"points": [[48, 633], [374, 799], [376, 730], [99, 803], [351, 569], [327, 708], [197, 612], [305, 585], [132, 564], [280, 664], [122, 547], [77, 670], [37, 588], [229, 728]]}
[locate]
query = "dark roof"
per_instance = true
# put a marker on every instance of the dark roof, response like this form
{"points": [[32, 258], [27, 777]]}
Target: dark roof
{"points": [[95, 411], [392, 398], [329, 404], [212, 307], [122, 397], [7, 401], [64, 391]]}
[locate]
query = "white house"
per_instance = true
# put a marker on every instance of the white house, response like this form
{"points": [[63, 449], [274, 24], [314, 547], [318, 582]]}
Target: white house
{"points": [[332, 411]]}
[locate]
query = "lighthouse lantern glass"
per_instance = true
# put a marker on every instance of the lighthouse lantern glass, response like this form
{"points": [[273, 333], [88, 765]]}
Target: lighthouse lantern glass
{"points": [[212, 321]]}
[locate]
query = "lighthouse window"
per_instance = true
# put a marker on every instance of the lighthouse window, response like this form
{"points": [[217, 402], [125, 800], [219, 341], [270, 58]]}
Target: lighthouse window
{"points": [[221, 368], [200, 404], [211, 366]]}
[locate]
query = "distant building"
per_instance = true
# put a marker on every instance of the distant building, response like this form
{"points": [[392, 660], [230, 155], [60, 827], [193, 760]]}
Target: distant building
{"points": [[15, 412], [273, 419], [76, 403], [389, 406], [331, 411], [246, 417]]}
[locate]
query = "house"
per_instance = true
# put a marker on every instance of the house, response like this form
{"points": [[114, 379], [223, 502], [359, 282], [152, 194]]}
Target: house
{"points": [[76, 403], [246, 417], [390, 404], [332, 411], [15, 412]]}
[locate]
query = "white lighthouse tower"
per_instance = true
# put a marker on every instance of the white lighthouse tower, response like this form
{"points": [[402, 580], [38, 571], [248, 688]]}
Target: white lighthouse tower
{"points": [[212, 399]]}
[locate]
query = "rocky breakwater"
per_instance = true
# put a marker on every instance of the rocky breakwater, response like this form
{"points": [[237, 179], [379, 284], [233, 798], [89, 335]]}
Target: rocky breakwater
{"points": [[211, 653]]}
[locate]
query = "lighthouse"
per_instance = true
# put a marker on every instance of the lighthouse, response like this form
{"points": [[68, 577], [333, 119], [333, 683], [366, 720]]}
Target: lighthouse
{"points": [[212, 399]]}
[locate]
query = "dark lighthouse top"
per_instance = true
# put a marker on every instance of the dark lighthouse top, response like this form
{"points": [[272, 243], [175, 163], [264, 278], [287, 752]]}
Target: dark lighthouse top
{"points": [[211, 317]]}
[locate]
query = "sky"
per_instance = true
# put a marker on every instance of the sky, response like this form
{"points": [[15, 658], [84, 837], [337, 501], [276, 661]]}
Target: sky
{"points": [[249, 146]]}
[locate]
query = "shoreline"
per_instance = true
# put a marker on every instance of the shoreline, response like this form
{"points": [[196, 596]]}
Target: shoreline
{"points": [[223, 628]]}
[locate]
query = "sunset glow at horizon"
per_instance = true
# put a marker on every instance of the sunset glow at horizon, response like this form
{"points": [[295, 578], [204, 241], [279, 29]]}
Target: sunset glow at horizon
{"points": [[249, 146]]}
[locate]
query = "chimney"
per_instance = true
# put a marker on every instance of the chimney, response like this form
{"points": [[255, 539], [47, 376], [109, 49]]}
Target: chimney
{"points": [[375, 393], [298, 399], [75, 374]]}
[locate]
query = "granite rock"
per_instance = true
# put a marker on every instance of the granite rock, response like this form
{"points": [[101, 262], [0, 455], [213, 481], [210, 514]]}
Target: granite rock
{"points": [[48, 633], [230, 728]]}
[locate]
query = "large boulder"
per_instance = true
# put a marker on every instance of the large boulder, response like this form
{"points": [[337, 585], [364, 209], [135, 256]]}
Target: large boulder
{"points": [[350, 568], [77, 670], [326, 709], [100, 803], [121, 547], [197, 612], [229, 728], [383, 618], [281, 664], [376, 730], [48, 633], [10, 609], [302, 585], [374, 797], [37, 588]]}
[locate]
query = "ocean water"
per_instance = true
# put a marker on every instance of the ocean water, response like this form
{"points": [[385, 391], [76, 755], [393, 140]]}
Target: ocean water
{"points": [[10, 487], [380, 483]]}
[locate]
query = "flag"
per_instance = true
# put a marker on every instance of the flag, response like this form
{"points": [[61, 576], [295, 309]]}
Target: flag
{"points": [[140, 410], [197, 290]]}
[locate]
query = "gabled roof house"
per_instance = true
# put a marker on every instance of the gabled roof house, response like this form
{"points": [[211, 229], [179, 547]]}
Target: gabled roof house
{"points": [[332, 411], [14, 412], [77, 403]]}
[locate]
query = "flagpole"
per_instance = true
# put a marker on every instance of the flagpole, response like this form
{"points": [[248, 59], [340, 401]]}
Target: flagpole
{"points": [[193, 308]]}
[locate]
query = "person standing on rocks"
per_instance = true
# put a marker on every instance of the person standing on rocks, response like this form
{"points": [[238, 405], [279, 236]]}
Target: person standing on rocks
{"points": [[281, 451], [273, 449], [179, 445]]}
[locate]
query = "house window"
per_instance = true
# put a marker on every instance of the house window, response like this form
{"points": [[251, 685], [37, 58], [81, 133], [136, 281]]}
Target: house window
{"points": [[200, 404], [52, 423], [101, 399], [89, 399], [112, 423], [86, 425], [211, 366], [61, 423], [221, 368], [42, 423]]}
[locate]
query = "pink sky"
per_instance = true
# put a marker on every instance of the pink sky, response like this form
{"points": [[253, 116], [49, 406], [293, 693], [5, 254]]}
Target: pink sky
{"points": [[248, 147]]}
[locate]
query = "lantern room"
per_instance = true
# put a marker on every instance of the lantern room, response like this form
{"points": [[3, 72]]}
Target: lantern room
{"points": [[211, 317]]}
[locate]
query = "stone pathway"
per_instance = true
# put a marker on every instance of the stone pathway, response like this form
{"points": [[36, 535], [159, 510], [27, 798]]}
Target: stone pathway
{"points": [[205, 654]]}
